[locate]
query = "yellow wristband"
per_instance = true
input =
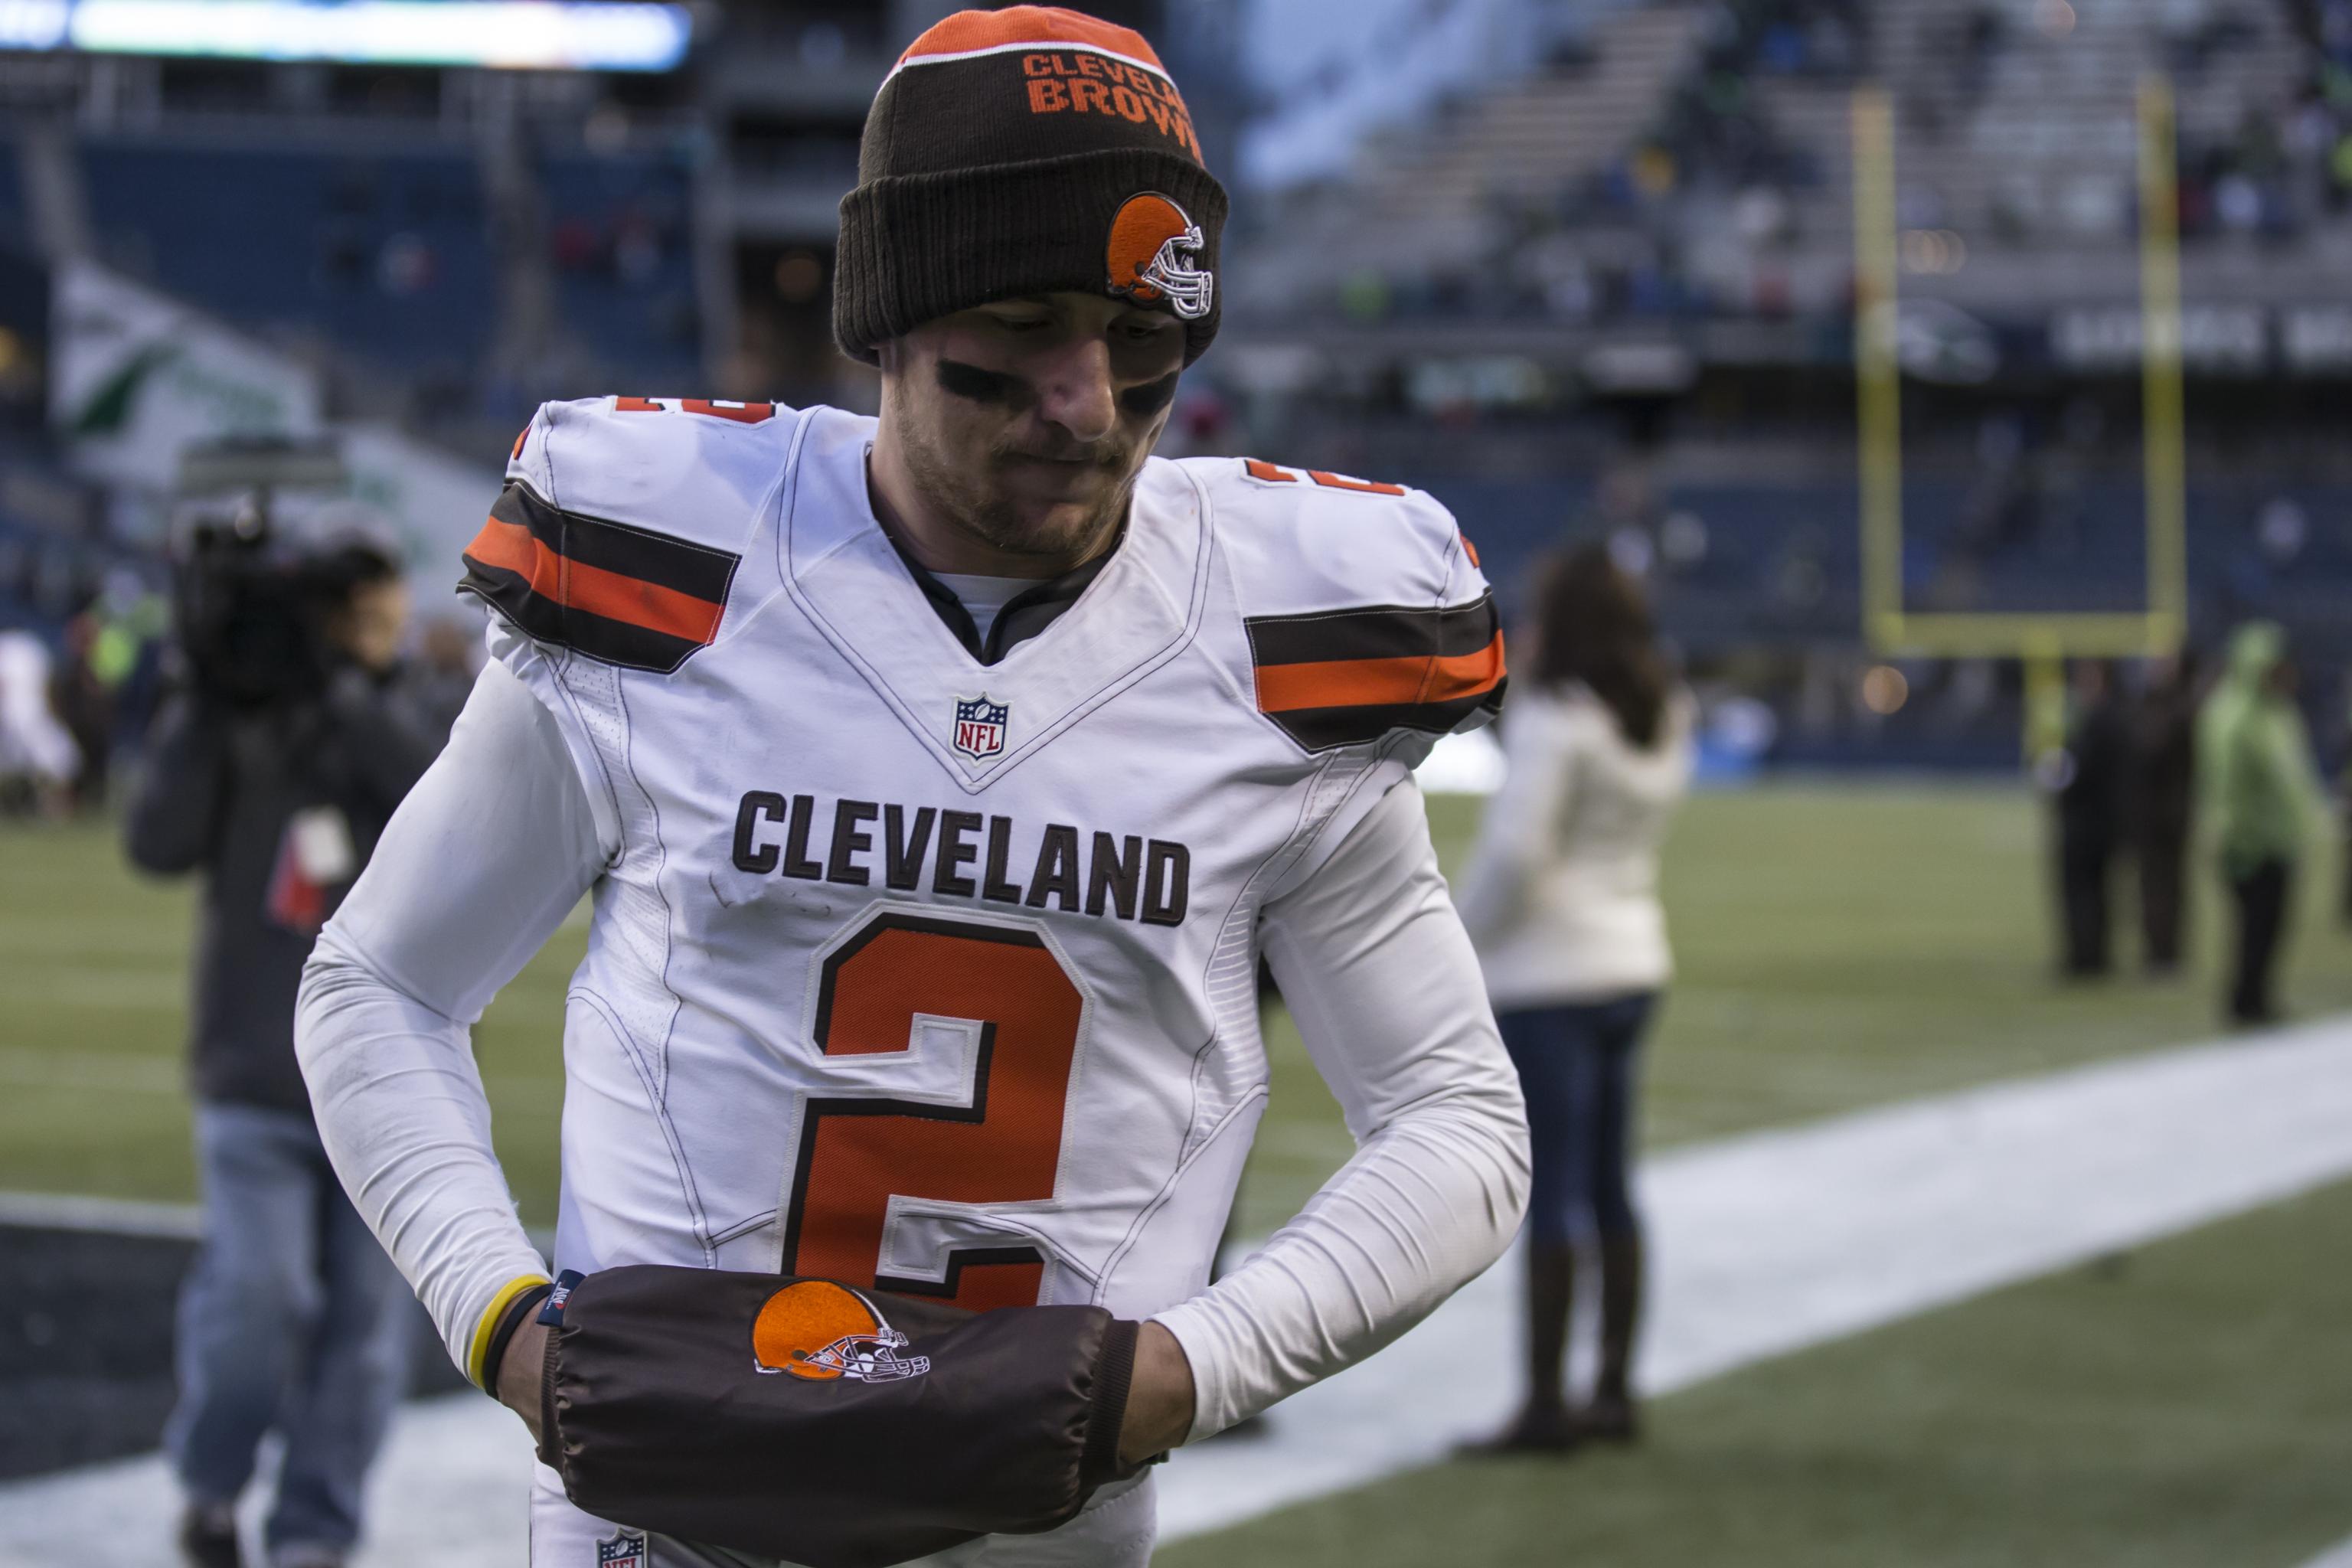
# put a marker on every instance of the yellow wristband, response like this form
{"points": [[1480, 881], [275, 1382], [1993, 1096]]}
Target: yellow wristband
{"points": [[488, 1325]]}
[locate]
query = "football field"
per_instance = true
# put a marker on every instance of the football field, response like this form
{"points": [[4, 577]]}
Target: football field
{"points": [[2179, 1404], [1841, 947]]}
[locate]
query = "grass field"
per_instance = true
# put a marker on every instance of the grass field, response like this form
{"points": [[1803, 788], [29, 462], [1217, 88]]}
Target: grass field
{"points": [[2182, 1406], [1838, 946]]}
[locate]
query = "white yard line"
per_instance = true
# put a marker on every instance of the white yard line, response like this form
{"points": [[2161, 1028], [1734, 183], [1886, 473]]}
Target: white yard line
{"points": [[1774, 1241], [2336, 1556], [115, 1216], [1765, 1244]]}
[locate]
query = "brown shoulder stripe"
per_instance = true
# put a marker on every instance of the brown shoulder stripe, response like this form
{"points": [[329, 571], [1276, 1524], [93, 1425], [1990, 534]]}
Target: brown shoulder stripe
{"points": [[1346, 677], [619, 593]]}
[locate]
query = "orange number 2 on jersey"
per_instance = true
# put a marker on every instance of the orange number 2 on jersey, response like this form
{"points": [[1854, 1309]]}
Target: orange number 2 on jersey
{"points": [[1003, 1147]]}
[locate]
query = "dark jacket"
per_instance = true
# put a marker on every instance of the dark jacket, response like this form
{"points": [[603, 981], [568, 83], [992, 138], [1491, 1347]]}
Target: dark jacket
{"points": [[2163, 763], [263, 803], [2090, 803]]}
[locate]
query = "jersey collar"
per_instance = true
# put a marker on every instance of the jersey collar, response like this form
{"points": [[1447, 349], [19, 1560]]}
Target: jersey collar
{"points": [[1024, 615]]}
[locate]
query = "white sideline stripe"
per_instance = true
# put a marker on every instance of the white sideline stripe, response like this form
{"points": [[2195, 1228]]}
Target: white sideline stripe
{"points": [[2336, 1556], [1765, 1244], [130, 1217], [1773, 1241], [113, 1216]]}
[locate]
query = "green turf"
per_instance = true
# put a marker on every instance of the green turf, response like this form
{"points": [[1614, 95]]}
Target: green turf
{"points": [[2177, 1407], [1848, 945], [1840, 946]]}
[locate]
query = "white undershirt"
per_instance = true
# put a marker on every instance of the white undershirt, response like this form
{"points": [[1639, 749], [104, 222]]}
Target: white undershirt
{"points": [[984, 598], [497, 843]]}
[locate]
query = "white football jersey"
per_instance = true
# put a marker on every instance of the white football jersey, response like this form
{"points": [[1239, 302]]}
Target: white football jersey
{"points": [[919, 973]]}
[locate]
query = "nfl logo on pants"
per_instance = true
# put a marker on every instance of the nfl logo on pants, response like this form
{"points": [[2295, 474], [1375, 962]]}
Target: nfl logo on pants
{"points": [[622, 1548], [979, 726]]}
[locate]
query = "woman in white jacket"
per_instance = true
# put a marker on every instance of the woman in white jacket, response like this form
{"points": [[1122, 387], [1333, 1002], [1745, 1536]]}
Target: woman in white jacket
{"points": [[1561, 899]]}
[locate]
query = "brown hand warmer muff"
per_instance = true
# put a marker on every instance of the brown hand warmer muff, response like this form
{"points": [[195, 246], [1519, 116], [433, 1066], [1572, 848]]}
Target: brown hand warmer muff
{"points": [[828, 1427]]}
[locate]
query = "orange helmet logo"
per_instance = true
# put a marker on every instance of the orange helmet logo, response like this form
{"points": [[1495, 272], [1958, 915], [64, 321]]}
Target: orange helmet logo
{"points": [[822, 1332], [1152, 244]]}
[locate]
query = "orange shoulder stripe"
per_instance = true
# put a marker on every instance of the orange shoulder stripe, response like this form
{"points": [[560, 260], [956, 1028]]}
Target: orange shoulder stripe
{"points": [[1364, 682], [592, 588]]}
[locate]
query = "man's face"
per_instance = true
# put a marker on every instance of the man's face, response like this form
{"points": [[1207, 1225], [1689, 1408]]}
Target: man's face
{"points": [[1025, 421], [370, 625]]}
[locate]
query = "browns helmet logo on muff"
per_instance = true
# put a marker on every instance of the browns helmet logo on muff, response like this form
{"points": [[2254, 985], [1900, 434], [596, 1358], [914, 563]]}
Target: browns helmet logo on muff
{"points": [[1151, 246], [824, 1331], [857, 1451]]}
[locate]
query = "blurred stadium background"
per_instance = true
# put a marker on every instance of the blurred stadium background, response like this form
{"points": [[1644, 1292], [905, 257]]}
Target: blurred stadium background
{"points": [[1904, 347]]}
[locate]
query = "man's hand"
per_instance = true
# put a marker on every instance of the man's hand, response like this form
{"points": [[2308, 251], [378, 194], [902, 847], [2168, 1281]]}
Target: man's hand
{"points": [[525, 1363], [1158, 1399]]}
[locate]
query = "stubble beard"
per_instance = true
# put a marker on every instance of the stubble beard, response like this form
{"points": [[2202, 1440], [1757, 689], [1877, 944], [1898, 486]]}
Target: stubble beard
{"points": [[963, 495]]}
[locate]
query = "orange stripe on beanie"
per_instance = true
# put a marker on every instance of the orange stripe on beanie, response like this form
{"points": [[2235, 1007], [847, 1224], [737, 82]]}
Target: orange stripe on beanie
{"points": [[1042, 27]]}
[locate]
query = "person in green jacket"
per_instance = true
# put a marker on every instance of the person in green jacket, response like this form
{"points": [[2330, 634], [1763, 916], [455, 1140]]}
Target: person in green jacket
{"points": [[2260, 795]]}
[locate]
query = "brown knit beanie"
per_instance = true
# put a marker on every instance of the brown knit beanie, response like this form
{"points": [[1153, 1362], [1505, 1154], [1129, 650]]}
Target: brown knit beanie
{"points": [[1026, 150]]}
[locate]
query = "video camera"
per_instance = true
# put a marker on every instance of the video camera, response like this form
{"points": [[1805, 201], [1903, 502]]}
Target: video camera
{"points": [[251, 607]]}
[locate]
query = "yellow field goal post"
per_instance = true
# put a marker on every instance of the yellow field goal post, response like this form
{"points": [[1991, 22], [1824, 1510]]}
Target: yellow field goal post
{"points": [[2043, 641]]}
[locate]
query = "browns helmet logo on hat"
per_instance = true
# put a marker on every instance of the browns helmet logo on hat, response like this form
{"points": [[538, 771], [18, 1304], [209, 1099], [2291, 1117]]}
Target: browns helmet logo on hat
{"points": [[823, 1331], [1152, 243]]}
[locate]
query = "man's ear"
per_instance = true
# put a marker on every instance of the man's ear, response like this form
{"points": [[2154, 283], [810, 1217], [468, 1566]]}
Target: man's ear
{"points": [[891, 355]]}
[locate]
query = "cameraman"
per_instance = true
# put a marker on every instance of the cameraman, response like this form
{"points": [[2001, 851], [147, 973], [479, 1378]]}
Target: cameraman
{"points": [[274, 773]]}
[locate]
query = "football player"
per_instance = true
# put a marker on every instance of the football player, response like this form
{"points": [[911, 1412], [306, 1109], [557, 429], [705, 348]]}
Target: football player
{"points": [[939, 782]]}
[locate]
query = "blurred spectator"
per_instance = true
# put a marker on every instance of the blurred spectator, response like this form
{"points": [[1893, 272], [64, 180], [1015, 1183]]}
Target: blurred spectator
{"points": [[2161, 793], [2261, 793], [444, 673], [84, 703], [2090, 798], [2281, 530], [133, 622], [1560, 896], [293, 1319], [2344, 783], [38, 759]]}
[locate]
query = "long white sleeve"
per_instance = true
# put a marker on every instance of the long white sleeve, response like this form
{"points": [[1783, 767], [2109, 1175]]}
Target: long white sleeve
{"points": [[479, 866], [1374, 965]]}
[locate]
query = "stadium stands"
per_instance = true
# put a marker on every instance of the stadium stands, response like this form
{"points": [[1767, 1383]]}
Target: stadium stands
{"points": [[391, 258], [1695, 163], [620, 239], [1671, 181], [384, 253], [14, 227]]}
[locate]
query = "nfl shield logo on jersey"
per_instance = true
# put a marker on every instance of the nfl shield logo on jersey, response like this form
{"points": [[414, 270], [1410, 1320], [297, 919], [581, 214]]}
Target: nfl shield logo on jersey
{"points": [[622, 1549], [979, 726]]}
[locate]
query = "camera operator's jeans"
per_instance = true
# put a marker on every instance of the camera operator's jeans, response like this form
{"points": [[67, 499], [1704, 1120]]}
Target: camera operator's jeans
{"points": [[294, 1320]]}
